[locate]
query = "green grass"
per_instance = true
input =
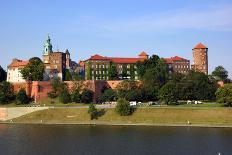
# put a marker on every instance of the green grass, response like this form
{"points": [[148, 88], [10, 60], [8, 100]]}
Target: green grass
{"points": [[161, 116], [56, 103]]}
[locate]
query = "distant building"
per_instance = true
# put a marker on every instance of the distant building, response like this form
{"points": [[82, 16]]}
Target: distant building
{"points": [[97, 67], [178, 65], [200, 58], [13, 71], [55, 62]]}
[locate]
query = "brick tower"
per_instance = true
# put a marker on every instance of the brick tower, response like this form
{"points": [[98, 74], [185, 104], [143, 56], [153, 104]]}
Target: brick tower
{"points": [[200, 58]]}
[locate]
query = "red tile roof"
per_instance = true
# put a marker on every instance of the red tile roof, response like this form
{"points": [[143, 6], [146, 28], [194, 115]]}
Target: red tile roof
{"points": [[18, 63], [143, 54], [175, 58], [126, 60], [116, 59], [98, 57], [200, 46]]}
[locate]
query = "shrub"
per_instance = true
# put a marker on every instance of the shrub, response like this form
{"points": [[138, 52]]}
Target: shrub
{"points": [[52, 95], [65, 96], [224, 94], [22, 97], [168, 93], [123, 107], [6, 92], [76, 96], [92, 111], [87, 96]]}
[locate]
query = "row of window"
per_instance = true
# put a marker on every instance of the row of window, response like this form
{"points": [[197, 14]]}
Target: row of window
{"points": [[106, 72], [181, 66]]}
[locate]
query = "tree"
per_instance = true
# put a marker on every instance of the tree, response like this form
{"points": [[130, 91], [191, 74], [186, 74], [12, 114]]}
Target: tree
{"points": [[65, 96], [154, 74], [224, 94], [57, 86], [108, 95], [87, 96], [6, 92], [93, 111], [123, 107], [168, 93], [76, 96], [34, 70], [2, 74], [22, 97], [220, 73], [112, 72], [67, 75]]}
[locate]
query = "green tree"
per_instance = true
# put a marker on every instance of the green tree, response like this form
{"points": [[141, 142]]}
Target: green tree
{"points": [[112, 72], [2, 74], [22, 97], [123, 107], [6, 92], [224, 94], [34, 70], [220, 73], [88, 70], [87, 96], [58, 86], [65, 96], [76, 96], [67, 75], [93, 111], [168, 93], [108, 95]]}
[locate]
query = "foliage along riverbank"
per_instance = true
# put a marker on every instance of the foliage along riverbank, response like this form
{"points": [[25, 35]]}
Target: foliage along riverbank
{"points": [[216, 117]]}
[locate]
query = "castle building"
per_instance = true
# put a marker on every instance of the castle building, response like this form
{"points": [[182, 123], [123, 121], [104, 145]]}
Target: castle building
{"points": [[55, 63], [13, 71], [178, 65], [200, 58], [97, 67]]}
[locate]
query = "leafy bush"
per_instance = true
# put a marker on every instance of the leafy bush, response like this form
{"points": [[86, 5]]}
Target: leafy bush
{"points": [[123, 107], [76, 96], [87, 96], [6, 92], [168, 93], [108, 95], [22, 97], [224, 94], [65, 96]]}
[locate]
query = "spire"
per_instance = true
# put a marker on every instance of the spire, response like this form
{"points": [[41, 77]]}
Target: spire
{"points": [[47, 46]]}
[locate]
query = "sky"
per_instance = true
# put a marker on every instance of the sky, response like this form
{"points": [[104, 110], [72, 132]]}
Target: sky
{"points": [[116, 28]]}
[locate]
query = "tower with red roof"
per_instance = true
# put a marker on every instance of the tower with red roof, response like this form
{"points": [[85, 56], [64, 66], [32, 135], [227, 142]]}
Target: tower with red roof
{"points": [[200, 58]]}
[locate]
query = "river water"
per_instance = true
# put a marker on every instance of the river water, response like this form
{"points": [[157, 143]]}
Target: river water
{"points": [[110, 140]]}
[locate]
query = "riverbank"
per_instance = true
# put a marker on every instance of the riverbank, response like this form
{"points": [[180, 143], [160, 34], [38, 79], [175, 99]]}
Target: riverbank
{"points": [[205, 117]]}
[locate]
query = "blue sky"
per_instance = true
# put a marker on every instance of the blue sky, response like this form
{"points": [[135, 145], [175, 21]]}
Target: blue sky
{"points": [[117, 28]]}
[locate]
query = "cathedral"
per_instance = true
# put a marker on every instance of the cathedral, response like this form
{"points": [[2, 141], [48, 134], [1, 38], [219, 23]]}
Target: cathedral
{"points": [[55, 63]]}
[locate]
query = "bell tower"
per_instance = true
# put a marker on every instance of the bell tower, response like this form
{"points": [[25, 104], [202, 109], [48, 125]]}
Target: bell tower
{"points": [[200, 58], [47, 50]]}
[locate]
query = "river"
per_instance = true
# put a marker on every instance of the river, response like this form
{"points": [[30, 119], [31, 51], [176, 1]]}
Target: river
{"points": [[110, 140]]}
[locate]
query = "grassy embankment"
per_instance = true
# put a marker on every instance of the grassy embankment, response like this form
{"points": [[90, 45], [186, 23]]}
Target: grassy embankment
{"points": [[216, 116]]}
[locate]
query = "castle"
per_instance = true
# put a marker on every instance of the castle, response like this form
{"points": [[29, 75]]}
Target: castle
{"points": [[97, 67]]}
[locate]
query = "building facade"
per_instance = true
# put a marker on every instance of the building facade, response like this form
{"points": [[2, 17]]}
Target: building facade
{"points": [[55, 63], [200, 58], [97, 67], [178, 65], [13, 71]]}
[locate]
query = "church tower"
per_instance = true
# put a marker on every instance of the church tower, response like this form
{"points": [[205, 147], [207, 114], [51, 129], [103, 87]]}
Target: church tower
{"points": [[47, 50], [200, 58]]}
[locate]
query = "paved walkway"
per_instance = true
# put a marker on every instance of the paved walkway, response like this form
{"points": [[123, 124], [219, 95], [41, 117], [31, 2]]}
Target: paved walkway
{"points": [[14, 112]]}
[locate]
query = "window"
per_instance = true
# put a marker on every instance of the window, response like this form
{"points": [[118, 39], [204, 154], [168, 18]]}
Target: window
{"points": [[96, 72], [135, 72], [92, 66], [96, 66], [135, 66], [92, 72], [103, 72], [128, 72], [120, 66], [128, 66], [103, 66], [106, 66]]}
